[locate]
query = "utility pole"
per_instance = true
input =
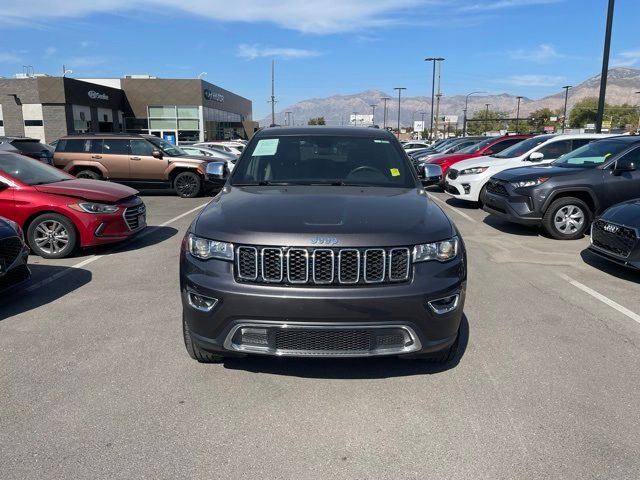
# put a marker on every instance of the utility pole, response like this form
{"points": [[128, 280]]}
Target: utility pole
{"points": [[355, 119], [566, 97], [518, 113], [486, 119], [273, 92], [438, 96], [466, 107], [433, 86], [638, 130], [399, 95], [384, 111], [605, 67], [373, 113], [288, 118]]}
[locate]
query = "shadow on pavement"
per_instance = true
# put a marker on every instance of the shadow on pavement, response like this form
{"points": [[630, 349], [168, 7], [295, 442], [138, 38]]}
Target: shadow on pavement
{"points": [[348, 369], [19, 300], [610, 268], [512, 228], [148, 237], [462, 204]]}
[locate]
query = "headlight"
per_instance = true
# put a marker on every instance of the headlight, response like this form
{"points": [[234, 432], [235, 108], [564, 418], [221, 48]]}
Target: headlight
{"points": [[440, 251], [530, 183], [91, 207], [473, 171], [204, 248]]}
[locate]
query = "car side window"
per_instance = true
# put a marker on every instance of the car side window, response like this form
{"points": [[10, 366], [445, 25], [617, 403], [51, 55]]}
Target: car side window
{"points": [[633, 155], [113, 146], [555, 149], [498, 147], [95, 146], [142, 148], [75, 145]]}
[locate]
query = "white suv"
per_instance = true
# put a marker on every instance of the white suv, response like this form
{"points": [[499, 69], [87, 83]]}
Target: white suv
{"points": [[466, 180]]}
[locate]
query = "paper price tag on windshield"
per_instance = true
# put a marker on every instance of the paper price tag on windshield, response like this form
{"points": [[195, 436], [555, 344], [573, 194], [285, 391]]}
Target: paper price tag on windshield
{"points": [[394, 172], [266, 147]]}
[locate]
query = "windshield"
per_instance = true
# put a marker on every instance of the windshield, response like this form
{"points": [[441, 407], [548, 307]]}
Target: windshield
{"points": [[522, 147], [167, 147], [444, 145], [591, 155], [30, 171], [324, 160], [477, 146]]}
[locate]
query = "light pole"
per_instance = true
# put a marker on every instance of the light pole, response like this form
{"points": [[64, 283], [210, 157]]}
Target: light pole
{"points": [[605, 67], [486, 119], [384, 111], [638, 130], [566, 97], [518, 114], [422, 114], [287, 118], [201, 74], [355, 119], [373, 113], [399, 89], [433, 88], [438, 96], [466, 103]]}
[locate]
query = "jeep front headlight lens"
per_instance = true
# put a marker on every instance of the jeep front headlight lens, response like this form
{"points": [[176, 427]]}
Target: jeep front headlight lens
{"points": [[204, 249], [441, 251]]}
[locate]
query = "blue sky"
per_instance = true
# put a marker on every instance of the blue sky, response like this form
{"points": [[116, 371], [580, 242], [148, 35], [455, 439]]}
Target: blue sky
{"points": [[323, 47]]}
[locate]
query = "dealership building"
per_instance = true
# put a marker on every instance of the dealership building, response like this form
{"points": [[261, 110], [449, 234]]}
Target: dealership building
{"points": [[182, 111]]}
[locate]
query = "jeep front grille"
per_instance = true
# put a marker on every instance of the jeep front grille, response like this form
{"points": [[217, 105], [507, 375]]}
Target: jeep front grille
{"points": [[322, 266]]}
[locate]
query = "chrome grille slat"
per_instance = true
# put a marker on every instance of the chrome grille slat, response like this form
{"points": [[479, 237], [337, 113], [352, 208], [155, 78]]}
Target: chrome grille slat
{"points": [[312, 266], [131, 215]]}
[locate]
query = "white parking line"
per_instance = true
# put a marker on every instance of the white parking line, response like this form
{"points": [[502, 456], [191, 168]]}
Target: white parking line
{"points": [[93, 258], [459, 212], [602, 298]]}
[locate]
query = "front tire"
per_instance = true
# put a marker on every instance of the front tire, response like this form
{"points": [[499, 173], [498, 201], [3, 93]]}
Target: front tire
{"points": [[52, 236], [194, 351], [187, 184], [88, 174], [567, 218], [482, 195]]}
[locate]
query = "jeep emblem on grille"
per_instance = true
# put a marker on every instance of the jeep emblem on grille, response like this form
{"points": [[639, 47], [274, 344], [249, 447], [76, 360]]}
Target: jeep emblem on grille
{"points": [[324, 240], [610, 228]]}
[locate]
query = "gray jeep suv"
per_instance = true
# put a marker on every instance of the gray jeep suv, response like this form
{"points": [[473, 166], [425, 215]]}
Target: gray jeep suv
{"points": [[323, 242]]}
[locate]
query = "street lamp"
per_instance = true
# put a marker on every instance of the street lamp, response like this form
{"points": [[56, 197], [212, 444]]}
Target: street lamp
{"points": [[486, 119], [399, 89], [287, 118], [605, 67], [438, 97], [566, 96], [202, 74], [373, 113], [384, 111], [433, 86], [422, 114], [638, 130], [466, 103], [518, 113], [355, 119]]}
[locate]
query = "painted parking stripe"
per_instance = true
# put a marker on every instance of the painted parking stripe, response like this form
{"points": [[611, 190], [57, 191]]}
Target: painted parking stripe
{"points": [[93, 258], [602, 298], [445, 204]]}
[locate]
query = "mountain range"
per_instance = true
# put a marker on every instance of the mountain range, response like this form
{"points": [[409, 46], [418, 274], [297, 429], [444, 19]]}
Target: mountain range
{"points": [[622, 83]]}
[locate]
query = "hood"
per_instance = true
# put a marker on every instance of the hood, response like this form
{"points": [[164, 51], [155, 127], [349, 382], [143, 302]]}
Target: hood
{"points": [[6, 229], [95, 190], [451, 158], [355, 216], [535, 171], [626, 213]]}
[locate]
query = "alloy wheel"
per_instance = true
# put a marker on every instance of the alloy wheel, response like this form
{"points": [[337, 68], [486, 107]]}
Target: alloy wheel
{"points": [[186, 186], [51, 236]]}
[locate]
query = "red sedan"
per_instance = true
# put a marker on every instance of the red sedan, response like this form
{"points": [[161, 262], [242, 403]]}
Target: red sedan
{"points": [[59, 212], [489, 146]]}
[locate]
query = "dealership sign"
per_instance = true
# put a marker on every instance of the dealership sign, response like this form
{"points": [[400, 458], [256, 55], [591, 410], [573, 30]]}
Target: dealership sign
{"points": [[216, 97], [97, 96]]}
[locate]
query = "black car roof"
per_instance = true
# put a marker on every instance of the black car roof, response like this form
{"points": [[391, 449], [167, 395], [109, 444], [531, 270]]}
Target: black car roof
{"points": [[622, 138], [9, 138], [328, 131]]}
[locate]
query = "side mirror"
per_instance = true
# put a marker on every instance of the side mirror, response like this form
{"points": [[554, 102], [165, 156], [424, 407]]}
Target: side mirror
{"points": [[536, 157], [429, 173], [624, 165], [217, 171], [157, 154]]}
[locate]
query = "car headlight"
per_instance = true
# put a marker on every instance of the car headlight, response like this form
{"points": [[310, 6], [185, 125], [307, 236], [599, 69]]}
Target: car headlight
{"points": [[441, 251], [530, 183], [91, 207], [473, 171], [204, 249]]}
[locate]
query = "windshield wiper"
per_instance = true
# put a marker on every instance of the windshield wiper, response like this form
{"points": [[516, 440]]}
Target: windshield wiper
{"points": [[263, 183]]}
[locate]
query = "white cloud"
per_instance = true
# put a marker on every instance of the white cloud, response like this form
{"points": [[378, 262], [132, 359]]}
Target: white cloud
{"points": [[86, 61], [50, 51], [626, 59], [251, 52], [534, 80], [543, 53], [502, 4], [8, 57]]}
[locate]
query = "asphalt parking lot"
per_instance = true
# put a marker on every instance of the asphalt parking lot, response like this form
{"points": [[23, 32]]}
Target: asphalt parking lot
{"points": [[95, 381]]}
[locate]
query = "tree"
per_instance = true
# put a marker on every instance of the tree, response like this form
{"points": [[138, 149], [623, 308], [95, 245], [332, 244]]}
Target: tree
{"points": [[540, 118], [583, 112], [483, 121], [317, 121]]}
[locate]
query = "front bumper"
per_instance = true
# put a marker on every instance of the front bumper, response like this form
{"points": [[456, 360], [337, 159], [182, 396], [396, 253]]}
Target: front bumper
{"points": [[16, 273], [381, 313], [516, 209], [100, 229], [464, 187]]}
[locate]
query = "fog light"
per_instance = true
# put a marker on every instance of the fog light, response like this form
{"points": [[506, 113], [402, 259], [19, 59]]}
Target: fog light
{"points": [[444, 305], [254, 336], [200, 302], [466, 187]]}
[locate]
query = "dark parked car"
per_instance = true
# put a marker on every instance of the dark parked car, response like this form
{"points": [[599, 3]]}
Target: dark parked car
{"points": [[615, 235], [565, 195], [322, 243], [29, 147], [13, 255]]}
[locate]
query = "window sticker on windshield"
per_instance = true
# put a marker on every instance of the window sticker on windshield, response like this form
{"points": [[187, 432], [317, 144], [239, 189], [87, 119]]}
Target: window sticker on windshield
{"points": [[266, 147], [394, 172], [381, 141]]}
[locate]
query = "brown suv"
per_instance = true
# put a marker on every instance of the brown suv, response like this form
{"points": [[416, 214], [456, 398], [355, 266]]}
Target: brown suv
{"points": [[142, 161]]}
